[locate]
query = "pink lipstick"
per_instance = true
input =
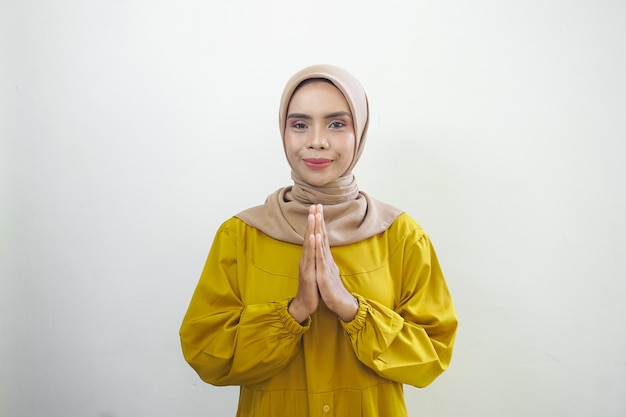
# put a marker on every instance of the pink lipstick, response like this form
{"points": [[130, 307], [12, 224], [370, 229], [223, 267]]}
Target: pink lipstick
{"points": [[317, 163]]}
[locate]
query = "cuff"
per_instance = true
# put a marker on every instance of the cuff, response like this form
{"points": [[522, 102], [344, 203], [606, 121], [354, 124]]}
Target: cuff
{"points": [[358, 322], [289, 323]]}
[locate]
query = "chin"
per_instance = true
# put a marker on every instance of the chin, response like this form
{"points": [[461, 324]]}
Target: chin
{"points": [[317, 182]]}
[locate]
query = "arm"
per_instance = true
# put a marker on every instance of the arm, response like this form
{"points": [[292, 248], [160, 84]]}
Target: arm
{"points": [[414, 343], [227, 342]]}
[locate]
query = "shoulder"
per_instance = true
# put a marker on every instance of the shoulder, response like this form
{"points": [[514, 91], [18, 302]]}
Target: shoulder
{"points": [[404, 225], [233, 223], [233, 228], [246, 235], [405, 232]]}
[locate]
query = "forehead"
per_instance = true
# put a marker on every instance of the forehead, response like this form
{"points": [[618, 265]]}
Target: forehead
{"points": [[318, 92]]}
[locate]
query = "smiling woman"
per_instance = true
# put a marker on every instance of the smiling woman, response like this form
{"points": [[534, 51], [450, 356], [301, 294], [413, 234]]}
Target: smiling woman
{"points": [[323, 300]]}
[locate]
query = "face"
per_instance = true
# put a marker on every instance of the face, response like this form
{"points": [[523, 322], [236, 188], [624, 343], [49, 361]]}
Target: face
{"points": [[319, 133]]}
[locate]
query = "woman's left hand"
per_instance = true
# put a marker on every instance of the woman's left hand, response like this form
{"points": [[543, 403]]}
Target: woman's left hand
{"points": [[335, 295]]}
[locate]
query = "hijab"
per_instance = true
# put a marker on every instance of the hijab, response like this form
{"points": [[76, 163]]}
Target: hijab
{"points": [[350, 214]]}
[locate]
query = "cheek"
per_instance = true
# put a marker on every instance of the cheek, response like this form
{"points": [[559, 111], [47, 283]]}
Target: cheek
{"points": [[289, 144], [291, 149], [349, 149]]}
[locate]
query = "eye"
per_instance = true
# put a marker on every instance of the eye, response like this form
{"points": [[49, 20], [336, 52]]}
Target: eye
{"points": [[337, 125], [299, 125]]}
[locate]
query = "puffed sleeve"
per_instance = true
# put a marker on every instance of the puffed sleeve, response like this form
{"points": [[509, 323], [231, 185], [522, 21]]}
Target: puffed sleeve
{"points": [[412, 343], [228, 343]]}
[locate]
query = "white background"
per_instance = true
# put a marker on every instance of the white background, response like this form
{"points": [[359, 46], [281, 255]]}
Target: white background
{"points": [[132, 129]]}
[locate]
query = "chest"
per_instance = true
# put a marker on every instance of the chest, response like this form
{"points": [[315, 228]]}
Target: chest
{"points": [[268, 269]]}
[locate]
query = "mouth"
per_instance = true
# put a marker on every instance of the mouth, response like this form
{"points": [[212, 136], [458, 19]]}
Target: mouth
{"points": [[317, 163]]}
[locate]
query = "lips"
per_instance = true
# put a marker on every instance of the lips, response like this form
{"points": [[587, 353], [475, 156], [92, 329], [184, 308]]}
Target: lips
{"points": [[317, 163]]}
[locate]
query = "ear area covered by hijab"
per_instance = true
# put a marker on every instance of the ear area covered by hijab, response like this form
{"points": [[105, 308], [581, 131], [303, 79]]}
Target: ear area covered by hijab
{"points": [[350, 214]]}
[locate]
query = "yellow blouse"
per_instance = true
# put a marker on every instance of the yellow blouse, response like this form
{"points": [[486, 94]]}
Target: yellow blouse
{"points": [[237, 330]]}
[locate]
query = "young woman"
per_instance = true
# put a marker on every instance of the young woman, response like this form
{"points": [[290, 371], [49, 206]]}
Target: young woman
{"points": [[323, 301]]}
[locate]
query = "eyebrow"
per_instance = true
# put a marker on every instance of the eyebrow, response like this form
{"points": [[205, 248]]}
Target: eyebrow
{"points": [[328, 116]]}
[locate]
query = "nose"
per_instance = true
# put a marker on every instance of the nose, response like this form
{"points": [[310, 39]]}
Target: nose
{"points": [[318, 140]]}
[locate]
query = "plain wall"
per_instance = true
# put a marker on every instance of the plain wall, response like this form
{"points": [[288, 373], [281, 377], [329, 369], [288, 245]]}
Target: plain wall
{"points": [[132, 129]]}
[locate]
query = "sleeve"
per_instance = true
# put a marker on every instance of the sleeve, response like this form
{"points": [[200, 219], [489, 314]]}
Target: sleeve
{"points": [[226, 342], [412, 343]]}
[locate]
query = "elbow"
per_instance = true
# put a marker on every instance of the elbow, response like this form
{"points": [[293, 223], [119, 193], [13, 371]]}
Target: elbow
{"points": [[435, 368], [210, 370], [429, 373]]}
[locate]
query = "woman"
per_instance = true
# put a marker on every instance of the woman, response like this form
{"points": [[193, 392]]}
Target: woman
{"points": [[323, 300]]}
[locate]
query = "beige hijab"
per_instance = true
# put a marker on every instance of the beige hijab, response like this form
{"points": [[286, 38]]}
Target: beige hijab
{"points": [[350, 214]]}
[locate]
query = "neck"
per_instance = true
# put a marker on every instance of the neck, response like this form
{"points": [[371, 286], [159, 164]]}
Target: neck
{"points": [[343, 189]]}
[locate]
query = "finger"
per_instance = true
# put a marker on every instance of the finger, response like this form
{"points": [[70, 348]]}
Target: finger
{"points": [[323, 224], [319, 253], [311, 250], [307, 261], [325, 243], [309, 235], [311, 221], [318, 223], [308, 245]]}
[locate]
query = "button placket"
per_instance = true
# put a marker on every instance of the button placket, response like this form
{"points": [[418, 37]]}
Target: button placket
{"points": [[326, 402]]}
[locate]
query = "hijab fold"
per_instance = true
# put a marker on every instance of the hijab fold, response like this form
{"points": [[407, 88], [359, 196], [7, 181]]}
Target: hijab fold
{"points": [[350, 214]]}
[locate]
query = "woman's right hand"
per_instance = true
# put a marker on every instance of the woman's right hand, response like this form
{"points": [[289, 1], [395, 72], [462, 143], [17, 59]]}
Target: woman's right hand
{"points": [[308, 297]]}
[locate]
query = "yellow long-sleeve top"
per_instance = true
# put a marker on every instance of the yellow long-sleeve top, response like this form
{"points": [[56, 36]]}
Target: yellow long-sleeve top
{"points": [[238, 331]]}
